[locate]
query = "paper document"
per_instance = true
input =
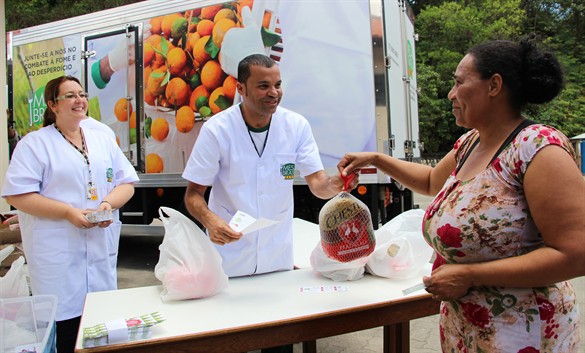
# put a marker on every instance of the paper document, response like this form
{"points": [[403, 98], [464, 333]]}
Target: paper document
{"points": [[313, 289], [413, 289], [244, 223]]}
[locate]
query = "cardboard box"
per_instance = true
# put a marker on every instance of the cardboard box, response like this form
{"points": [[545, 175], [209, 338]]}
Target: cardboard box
{"points": [[8, 236], [7, 262]]}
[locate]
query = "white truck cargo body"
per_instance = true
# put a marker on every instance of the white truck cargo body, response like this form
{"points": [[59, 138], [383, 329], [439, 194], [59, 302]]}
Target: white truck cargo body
{"points": [[347, 66]]}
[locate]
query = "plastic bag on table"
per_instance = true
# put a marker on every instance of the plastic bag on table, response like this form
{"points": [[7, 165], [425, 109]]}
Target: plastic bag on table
{"points": [[346, 227], [189, 265], [336, 270], [13, 284], [401, 251]]}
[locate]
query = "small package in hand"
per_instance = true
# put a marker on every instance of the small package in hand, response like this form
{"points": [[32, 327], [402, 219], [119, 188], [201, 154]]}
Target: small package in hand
{"points": [[100, 216], [346, 228]]}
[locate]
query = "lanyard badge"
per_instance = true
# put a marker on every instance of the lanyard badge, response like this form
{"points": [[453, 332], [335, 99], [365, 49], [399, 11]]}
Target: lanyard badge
{"points": [[91, 192]]}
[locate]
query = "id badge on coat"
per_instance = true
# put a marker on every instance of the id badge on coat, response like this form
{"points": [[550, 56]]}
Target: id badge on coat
{"points": [[91, 192]]}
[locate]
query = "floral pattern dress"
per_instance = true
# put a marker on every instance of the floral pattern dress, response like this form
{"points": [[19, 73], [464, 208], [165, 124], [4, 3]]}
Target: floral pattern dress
{"points": [[487, 218]]}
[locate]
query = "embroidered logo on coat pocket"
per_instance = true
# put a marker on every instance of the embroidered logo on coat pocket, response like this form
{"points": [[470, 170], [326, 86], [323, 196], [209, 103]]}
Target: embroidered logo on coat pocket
{"points": [[288, 171]]}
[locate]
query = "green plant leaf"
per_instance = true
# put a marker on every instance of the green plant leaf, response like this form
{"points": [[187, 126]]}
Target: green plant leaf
{"points": [[211, 49], [269, 38]]}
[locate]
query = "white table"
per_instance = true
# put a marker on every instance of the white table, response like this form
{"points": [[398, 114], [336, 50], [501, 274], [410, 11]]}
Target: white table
{"points": [[267, 310], [305, 237]]}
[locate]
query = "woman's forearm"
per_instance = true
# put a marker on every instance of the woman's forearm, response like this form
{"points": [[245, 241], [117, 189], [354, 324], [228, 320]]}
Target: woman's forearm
{"points": [[541, 267], [38, 205], [119, 195]]}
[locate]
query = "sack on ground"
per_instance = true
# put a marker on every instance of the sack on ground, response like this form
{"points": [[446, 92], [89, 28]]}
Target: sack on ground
{"points": [[336, 270], [14, 283], [346, 228], [401, 252], [189, 265]]}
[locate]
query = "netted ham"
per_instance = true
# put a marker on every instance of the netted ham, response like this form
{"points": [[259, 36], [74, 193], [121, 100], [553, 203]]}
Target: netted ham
{"points": [[346, 228]]}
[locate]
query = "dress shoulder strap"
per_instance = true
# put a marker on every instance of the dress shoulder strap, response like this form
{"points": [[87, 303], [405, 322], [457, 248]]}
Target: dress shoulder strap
{"points": [[520, 127], [467, 153], [523, 124]]}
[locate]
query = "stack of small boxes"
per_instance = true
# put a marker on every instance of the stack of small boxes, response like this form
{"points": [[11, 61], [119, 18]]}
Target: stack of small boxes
{"points": [[118, 331], [9, 235]]}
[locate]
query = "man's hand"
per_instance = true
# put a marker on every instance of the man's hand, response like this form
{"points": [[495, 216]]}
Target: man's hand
{"points": [[221, 233]]}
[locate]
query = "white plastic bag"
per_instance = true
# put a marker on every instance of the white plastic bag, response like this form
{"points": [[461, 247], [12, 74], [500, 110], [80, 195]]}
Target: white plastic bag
{"points": [[336, 270], [401, 252], [13, 284], [189, 265]]}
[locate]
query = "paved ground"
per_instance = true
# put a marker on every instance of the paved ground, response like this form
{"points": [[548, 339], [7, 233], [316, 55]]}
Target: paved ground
{"points": [[139, 255]]}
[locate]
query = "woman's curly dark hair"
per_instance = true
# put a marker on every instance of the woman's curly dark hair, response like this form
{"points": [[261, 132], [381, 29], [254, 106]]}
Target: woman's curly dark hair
{"points": [[531, 75]]}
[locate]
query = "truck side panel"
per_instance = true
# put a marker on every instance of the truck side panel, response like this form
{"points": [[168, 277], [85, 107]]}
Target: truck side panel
{"points": [[348, 67]]}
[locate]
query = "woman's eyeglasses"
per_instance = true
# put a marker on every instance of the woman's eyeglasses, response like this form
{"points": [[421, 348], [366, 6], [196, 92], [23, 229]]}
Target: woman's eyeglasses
{"points": [[72, 96]]}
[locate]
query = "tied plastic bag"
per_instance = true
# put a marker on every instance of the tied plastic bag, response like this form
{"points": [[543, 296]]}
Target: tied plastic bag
{"points": [[401, 252], [335, 270], [13, 284], [189, 266], [346, 227]]}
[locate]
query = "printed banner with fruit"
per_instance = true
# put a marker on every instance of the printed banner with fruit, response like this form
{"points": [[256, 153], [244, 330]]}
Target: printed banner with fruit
{"points": [[184, 80], [324, 52]]}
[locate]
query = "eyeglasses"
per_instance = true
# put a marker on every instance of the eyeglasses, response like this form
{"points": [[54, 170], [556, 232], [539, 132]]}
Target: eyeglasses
{"points": [[72, 96]]}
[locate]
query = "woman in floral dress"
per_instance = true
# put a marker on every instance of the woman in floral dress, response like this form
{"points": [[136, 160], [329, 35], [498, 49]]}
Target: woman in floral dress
{"points": [[507, 222]]}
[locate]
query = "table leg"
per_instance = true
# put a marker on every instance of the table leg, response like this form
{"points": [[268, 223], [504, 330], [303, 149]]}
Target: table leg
{"points": [[397, 338], [310, 346]]}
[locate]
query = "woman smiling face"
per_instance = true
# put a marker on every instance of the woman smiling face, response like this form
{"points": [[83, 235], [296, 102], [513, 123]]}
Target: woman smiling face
{"points": [[71, 101]]}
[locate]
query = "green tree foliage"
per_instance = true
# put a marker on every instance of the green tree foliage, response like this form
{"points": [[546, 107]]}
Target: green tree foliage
{"points": [[435, 120], [446, 32], [447, 29], [559, 26], [28, 13]]}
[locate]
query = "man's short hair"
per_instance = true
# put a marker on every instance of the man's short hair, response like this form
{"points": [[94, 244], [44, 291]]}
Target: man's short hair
{"points": [[253, 60]]}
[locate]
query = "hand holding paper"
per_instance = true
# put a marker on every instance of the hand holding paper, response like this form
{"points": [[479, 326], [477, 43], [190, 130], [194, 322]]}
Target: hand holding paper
{"points": [[244, 223]]}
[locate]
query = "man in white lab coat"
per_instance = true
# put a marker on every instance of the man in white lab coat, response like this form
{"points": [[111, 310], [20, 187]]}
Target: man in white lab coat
{"points": [[248, 154]]}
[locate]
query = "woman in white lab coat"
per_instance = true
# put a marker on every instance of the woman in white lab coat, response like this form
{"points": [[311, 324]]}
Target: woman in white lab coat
{"points": [[57, 175]]}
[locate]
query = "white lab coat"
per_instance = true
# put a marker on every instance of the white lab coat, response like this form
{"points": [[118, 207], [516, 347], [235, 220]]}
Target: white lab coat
{"points": [[62, 259], [93, 124], [224, 157]]}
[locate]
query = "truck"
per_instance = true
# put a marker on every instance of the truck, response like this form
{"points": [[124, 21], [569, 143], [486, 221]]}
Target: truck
{"points": [[156, 70]]}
